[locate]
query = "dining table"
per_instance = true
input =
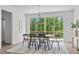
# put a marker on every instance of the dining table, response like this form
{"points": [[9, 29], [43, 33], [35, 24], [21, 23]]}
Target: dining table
{"points": [[34, 37]]}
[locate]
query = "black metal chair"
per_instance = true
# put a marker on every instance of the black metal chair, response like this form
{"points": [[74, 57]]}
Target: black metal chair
{"points": [[25, 39], [42, 40], [54, 39], [33, 41]]}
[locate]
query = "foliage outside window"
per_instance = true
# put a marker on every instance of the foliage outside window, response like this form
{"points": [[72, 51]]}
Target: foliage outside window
{"points": [[54, 25]]}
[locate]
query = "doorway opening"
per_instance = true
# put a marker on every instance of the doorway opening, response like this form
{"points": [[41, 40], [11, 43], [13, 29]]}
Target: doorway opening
{"points": [[6, 28]]}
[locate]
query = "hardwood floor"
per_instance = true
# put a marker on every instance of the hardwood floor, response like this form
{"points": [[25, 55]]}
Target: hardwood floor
{"points": [[68, 45], [71, 49], [5, 47]]}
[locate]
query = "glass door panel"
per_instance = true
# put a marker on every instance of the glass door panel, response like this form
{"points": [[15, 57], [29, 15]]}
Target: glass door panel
{"points": [[50, 25]]}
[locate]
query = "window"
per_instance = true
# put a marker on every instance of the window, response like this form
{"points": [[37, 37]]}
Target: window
{"points": [[58, 27], [32, 24], [50, 25], [40, 24]]}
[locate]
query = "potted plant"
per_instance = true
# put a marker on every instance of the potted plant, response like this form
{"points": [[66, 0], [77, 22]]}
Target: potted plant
{"points": [[75, 26]]}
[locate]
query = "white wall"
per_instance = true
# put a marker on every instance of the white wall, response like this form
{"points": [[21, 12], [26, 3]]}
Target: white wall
{"points": [[76, 17], [17, 36], [76, 13], [0, 29], [17, 15], [67, 18]]}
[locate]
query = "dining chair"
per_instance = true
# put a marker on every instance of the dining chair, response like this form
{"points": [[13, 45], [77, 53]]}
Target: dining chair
{"points": [[42, 41], [54, 39], [51, 40], [25, 39], [33, 41]]}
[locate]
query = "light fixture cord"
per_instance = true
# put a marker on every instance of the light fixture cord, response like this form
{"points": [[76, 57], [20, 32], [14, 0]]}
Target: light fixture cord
{"points": [[39, 11]]}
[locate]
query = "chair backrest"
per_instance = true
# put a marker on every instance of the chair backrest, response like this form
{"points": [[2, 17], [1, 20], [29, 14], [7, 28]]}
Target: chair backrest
{"points": [[42, 34], [32, 34], [41, 37], [25, 36]]}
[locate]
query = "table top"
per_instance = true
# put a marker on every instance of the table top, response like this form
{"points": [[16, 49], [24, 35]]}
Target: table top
{"points": [[41, 36]]}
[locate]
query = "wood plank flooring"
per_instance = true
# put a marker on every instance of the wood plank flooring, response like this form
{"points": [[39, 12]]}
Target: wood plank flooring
{"points": [[68, 46]]}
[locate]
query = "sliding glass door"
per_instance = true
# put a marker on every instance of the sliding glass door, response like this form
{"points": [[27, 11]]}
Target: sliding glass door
{"points": [[58, 27], [48, 25]]}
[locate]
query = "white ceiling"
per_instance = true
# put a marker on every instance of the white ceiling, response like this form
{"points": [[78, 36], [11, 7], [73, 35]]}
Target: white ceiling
{"points": [[29, 9], [47, 8]]}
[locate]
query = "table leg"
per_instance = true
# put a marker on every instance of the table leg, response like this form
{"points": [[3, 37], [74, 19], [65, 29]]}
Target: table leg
{"points": [[52, 43], [44, 46], [29, 44], [48, 42], [58, 45]]}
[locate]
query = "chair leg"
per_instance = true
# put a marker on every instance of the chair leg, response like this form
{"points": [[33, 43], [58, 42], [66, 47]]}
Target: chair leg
{"points": [[35, 46], [39, 45], [48, 42], [29, 44], [58, 45], [44, 46], [32, 43], [23, 43], [52, 43]]}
